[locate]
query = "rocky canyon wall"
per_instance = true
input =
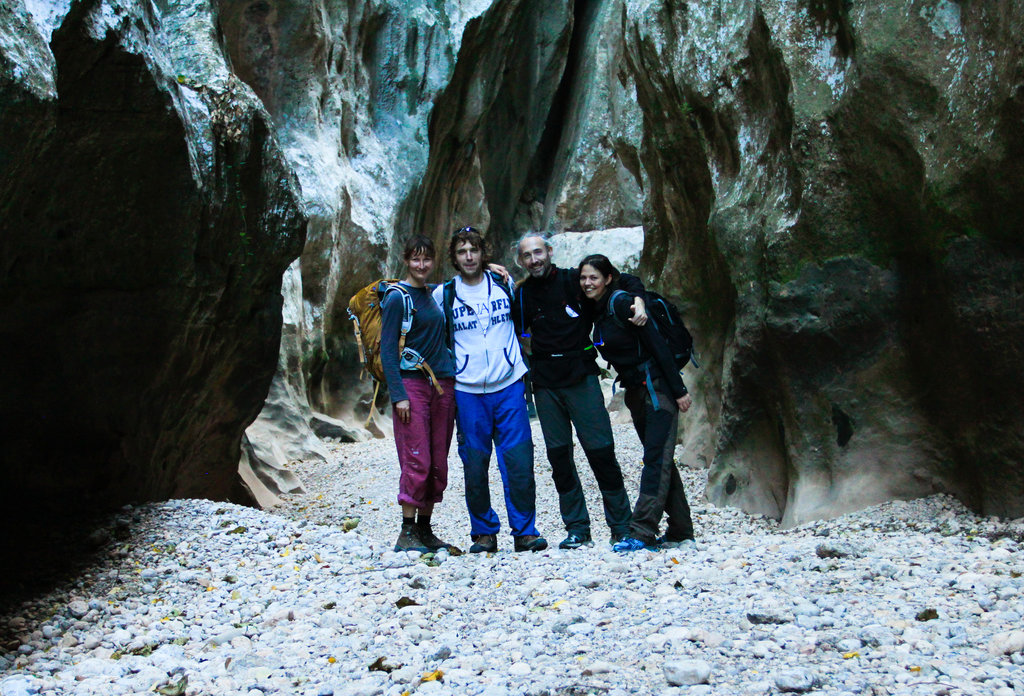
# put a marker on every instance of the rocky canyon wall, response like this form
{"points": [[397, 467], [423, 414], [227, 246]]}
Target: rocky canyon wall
{"points": [[539, 127], [831, 191], [146, 217], [838, 189]]}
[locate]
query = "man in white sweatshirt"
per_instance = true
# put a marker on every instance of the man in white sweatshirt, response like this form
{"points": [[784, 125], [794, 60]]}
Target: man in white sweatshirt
{"points": [[489, 395]]}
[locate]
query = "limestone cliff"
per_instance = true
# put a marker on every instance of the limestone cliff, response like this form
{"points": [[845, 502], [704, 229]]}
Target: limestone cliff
{"points": [[146, 217], [838, 190], [832, 191]]}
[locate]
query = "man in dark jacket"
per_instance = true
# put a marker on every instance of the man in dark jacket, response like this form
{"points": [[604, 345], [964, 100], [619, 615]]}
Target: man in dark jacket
{"points": [[567, 392]]}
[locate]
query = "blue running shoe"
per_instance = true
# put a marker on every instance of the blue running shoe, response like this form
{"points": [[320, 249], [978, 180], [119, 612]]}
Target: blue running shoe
{"points": [[629, 544]]}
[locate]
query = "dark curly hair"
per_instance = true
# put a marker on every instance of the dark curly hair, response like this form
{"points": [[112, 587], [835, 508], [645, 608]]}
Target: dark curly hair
{"points": [[474, 237]]}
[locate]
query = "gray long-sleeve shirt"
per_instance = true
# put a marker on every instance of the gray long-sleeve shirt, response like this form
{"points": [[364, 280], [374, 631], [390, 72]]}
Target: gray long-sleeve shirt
{"points": [[426, 337]]}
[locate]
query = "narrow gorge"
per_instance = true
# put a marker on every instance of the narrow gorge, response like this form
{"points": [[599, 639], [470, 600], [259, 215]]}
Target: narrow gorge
{"points": [[190, 192]]}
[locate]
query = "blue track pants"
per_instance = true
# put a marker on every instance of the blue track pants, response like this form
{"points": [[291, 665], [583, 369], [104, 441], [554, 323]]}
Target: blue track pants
{"points": [[501, 418]]}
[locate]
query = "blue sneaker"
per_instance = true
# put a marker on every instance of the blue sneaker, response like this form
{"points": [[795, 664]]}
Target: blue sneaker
{"points": [[629, 544]]}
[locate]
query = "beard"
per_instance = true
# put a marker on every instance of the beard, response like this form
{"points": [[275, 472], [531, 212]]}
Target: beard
{"points": [[472, 274]]}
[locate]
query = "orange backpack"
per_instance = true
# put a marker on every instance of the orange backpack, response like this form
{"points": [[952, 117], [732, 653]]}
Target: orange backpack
{"points": [[364, 309]]}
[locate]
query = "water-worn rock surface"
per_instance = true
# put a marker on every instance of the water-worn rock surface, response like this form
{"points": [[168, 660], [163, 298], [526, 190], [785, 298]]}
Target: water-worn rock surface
{"points": [[146, 217], [836, 189], [831, 190], [919, 597]]}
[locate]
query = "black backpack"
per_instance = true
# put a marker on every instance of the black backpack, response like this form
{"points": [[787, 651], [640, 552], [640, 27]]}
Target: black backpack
{"points": [[669, 324]]}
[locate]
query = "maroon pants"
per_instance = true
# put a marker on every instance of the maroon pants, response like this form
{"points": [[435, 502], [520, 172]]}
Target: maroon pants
{"points": [[423, 442]]}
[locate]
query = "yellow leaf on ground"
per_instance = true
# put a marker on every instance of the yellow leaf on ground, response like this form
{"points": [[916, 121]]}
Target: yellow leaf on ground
{"points": [[558, 604], [436, 675], [848, 655]]}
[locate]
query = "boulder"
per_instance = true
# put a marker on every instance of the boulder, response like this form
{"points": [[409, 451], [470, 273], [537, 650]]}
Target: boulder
{"points": [[623, 247]]}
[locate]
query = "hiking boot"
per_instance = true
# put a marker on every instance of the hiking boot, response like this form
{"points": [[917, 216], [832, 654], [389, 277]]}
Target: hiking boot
{"points": [[484, 543], [430, 539], [663, 542], [629, 544], [531, 542], [409, 539], [575, 541]]}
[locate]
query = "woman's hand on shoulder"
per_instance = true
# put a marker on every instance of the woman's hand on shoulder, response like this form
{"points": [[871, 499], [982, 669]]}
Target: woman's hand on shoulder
{"points": [[639, 317]]}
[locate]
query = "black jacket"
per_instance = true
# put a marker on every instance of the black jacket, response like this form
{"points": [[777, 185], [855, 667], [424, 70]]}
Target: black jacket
{"points": [[549, 312], [635, 352]]}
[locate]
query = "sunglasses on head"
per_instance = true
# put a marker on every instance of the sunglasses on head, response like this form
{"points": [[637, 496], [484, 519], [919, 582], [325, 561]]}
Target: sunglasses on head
{"points": [[463, 230]]}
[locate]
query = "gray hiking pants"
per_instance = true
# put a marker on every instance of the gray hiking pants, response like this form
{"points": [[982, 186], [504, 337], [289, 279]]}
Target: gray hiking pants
{"points": [[661, 488], [582, 406]]}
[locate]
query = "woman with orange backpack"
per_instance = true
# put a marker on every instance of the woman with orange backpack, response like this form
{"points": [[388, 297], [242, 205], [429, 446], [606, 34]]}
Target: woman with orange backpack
{"points": [[423, 400]]}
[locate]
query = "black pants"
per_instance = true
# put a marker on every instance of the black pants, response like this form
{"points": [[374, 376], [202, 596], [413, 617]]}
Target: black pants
{"points": [[661, 488], [582, 406]]}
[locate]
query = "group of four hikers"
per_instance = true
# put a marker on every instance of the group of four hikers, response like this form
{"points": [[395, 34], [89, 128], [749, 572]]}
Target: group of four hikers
{"points": [[468, 331]]}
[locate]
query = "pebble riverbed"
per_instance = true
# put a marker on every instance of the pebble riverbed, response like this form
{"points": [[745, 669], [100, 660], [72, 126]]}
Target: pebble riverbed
{"points": [[198, 597]]}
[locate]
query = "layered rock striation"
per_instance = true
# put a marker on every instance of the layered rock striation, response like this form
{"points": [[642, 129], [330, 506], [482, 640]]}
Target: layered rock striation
{"points": [[538, 128]]}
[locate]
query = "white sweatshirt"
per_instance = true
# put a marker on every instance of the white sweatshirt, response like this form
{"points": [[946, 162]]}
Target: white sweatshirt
{"points": [[487, 356]]}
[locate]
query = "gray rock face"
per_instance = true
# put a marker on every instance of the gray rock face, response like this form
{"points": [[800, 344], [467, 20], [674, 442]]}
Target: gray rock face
{"points": [[146, 217], [623, 247], [349, 86], [687, 672], [834, 193], [838, 192], [539, 127]]}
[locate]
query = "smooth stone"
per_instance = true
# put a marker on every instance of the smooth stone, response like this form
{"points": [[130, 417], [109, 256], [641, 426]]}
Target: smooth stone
{"points": [[1006, 643], [78, 608], [686, 672], [19, 685], [849, 645], [796, 681]]}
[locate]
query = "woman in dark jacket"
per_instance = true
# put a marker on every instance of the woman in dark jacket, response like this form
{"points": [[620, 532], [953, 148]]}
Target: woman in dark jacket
{"points": [[655, 394]]}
